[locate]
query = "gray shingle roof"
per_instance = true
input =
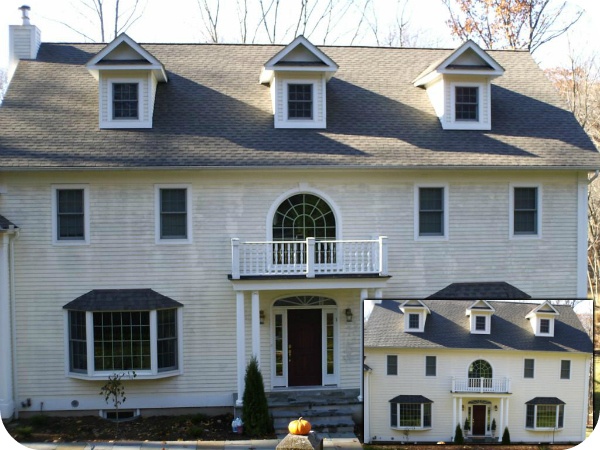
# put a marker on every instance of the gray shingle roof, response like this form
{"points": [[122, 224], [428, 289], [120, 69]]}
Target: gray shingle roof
{"points": [[499, 290], [5, 223], [545, 401], [410, 399], [448, 327], [214, 113], [121, 300]]}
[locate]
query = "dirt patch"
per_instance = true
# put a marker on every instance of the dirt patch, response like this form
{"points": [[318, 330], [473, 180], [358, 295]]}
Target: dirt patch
{"points": [[155, 428]]}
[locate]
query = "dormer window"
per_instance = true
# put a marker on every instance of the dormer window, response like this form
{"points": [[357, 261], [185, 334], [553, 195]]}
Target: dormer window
{"points": [[125, 101], [415, 314], [300, 101], [297, 77], [542, 319], [413, 321], [466, 103], [480, 317], [480, 323]]}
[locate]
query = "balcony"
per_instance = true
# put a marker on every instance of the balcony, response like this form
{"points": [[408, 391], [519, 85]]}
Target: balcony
{"points": [[481, 385], [309, 258]]}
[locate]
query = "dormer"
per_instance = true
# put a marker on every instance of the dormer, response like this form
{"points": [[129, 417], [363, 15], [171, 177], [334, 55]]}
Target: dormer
{"points": [[542, 319], [297, 77], [127, 79], [459, 88], [415, 315], [480, 317]]}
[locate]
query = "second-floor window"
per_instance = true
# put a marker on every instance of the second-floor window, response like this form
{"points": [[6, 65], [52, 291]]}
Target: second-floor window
{"points": [[565, 370], [392, 364], [430, 212], [173, 214], [526, 211], [71, 215], [529, 368], [125, 101], [430, 366], [300, 101]]}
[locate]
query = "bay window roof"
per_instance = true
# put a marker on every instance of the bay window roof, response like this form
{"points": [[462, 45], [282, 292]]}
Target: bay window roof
{"points": [[121, 300]]}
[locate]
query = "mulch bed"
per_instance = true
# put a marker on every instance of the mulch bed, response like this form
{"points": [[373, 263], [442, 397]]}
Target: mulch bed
{"points": [[94, 428]]}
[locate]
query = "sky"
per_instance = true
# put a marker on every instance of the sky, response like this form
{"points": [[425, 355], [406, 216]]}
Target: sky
{"points": [[180, 21]]}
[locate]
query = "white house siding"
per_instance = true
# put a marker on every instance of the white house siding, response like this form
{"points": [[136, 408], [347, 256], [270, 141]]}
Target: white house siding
{"points": [[123, 254], [411, 380]]}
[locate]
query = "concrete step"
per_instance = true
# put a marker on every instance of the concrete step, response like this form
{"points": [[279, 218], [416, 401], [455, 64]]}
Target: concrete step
{"points": [[311, 397]]}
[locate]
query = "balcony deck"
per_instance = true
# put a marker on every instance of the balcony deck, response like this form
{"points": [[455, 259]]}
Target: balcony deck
{"points": [[309, 258], [481, 385]]}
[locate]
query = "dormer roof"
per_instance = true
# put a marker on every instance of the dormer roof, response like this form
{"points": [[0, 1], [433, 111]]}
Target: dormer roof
{"points": [[298, 56], [414, 304], [124, 53], [480, 306], [544, 309], [468, 59]]}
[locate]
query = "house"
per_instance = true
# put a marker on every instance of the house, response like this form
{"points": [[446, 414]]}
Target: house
{"points": [[482, 365], [179, 208]]}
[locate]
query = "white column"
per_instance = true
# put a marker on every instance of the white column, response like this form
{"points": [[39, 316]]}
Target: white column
{"points": [[506, 416], [453, 416], [367, 409], [364, 293], [7, 403], [460, 407], [256, 326], [582, 235], [500, 428], [241, 345]]}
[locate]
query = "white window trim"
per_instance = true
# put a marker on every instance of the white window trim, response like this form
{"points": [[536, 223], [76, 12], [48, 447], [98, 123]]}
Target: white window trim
{"points": [[86, 214], [488, 320], [538, 326], [480, 124], [189, 221], [446, 234], [151, 374], [570, 370], [110, 122], [422, 318], [303, 123], [511, 211]]}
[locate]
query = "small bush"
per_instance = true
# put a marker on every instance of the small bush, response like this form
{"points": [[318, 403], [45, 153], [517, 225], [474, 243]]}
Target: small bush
{"points": [[24, 431], [256, 418], [506, 436], [458, 435]]}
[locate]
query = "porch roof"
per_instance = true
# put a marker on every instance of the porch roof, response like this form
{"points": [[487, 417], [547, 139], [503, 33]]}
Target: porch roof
{"points": [[5, 224], [494, 290]]}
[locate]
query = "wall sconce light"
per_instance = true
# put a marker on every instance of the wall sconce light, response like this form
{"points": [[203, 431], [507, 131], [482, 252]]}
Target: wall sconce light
{"points": [[463, 407], [261, 315], [348, 315], [495, 407]]}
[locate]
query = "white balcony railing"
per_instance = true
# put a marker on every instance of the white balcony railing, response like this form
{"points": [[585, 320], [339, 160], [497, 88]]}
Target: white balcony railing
{"points": [[309, 257], [481, 385]]}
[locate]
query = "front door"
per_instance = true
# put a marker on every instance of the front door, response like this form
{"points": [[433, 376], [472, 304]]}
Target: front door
{"points": [[304, 347], [479, 413]]}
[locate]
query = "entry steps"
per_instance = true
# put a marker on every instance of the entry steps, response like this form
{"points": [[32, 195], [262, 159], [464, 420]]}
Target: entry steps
{"points": [[328, 410]]}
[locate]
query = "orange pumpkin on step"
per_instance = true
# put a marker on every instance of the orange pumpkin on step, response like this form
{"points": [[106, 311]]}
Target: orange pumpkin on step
{"points": [[300, 426]]}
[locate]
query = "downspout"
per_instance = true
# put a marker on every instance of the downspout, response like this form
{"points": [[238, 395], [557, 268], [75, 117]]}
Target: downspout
{"points": [[591, 180], [13, 319]]}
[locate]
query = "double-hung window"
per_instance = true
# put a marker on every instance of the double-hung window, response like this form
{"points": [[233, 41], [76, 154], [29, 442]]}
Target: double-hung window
{"points": [[430, 366], [125, 101], [392, 364], [410, 412], [413, 321], [525, 210], [300, 101], [565, 369], [466, 103], [173, 214], [545, 413], [529, 368], [480, 323], [70, 214], [431, 215]]}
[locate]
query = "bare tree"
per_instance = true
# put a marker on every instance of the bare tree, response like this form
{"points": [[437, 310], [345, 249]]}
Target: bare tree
{"points": [[3, 84], [594, 239], [242, 12], [210, 18], [97, 13], [514, 24]]}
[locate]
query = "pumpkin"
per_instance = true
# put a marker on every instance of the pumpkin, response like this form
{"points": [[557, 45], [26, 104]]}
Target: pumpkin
{"points": [[300, 426]]}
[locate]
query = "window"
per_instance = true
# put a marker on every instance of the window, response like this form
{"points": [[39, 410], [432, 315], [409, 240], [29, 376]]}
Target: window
{"points": [[480, 369], [480, 323], [565, 370], [173, 214], [431, 211], [300, 101], [413, 321], [125, 101], [392, 364], [545, 326], [526, 211], [466, 103], [410, 411], [544, 416], [122, 340], [70, 215], [430, 366], [528, 369]]}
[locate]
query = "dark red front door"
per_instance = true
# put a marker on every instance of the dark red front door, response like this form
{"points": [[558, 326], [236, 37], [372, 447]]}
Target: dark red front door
{"points": [[479, 420], [304, 347]]}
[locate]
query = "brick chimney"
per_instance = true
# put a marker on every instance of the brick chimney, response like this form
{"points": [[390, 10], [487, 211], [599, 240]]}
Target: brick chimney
{"points": [[23, 41]]}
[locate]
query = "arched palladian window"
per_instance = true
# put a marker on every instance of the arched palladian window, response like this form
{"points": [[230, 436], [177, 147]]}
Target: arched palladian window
{"points": [[480, 374], [302, 216]]}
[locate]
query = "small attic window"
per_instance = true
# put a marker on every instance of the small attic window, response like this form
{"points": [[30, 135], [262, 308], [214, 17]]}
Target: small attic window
{"points": [[300, 101], [125, 101], [467, 103]]}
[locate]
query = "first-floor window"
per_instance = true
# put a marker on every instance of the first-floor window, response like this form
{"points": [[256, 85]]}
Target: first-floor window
{"points": [[545, 416], [410, 415], [392, 364], [142, 341]]}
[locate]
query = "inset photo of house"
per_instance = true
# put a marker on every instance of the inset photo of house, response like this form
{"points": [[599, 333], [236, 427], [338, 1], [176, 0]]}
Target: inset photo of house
{"points": [[483, 371]]}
